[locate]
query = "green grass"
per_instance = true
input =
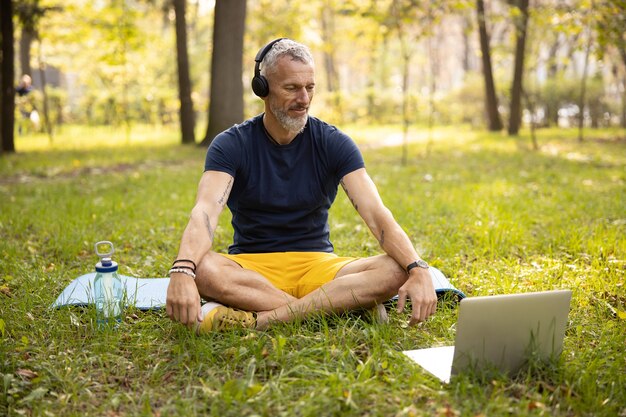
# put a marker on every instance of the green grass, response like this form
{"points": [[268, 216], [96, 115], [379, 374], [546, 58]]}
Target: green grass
{"points": [[495, 216]]}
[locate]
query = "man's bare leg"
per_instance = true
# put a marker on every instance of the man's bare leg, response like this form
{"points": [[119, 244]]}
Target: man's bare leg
{"points": [[360, 284], [223, 280]]}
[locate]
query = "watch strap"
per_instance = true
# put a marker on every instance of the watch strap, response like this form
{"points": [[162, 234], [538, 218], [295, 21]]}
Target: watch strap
{"points": [[417, 264]]}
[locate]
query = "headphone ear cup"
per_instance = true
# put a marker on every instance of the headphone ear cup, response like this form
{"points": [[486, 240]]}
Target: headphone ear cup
{"points": [[260, 87]]}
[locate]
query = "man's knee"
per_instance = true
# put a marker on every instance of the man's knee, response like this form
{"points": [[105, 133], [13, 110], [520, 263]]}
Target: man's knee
{"points": [[390, 275], [397, 275], [210, 276]]}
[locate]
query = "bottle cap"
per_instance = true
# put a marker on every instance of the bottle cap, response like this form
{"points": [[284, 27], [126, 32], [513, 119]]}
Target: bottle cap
{"points": [[106, 265]]}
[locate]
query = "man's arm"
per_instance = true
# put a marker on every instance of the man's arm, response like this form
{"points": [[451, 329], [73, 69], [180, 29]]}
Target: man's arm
{"points": [[364, 196], [183, 298]]}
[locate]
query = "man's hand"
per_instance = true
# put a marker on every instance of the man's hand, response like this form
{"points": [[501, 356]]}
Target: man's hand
{"points": [[183, 300], [419, 289]]}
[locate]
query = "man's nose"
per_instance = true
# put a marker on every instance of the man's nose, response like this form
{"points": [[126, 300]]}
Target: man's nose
{"points": [[303, 95]]}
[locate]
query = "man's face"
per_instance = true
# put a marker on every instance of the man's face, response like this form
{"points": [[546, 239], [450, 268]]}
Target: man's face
{"points": [[291, 90]]}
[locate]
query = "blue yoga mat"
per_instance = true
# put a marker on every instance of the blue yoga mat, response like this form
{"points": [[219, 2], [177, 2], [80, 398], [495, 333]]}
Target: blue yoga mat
{"points": [[151, 293]]}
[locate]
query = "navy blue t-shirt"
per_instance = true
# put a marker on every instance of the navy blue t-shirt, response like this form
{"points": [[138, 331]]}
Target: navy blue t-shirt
{"points": [[281, 193]]}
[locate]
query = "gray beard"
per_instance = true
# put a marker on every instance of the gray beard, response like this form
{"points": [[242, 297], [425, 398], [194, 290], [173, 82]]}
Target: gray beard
{"points": [[293, 125]]}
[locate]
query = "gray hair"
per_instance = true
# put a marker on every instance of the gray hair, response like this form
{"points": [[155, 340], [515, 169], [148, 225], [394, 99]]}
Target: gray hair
{"points": [[285, 47]]}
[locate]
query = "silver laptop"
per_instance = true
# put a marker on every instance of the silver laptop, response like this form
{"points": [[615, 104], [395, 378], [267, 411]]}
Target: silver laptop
{"points": [[500, 331]]}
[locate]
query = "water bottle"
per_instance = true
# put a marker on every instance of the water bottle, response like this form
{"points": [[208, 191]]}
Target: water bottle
{"points": [[107, 288]]}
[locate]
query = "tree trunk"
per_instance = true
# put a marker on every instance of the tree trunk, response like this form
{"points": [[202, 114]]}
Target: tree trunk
{"points": [[371, 84], [622, 53], [226, 98], [328, 29], [44, 92], [184, 82], [467, 44], [433, 58], [26, 41], [533, 123], [623, 121], [583, 89], [332, 77], [621, 47], [7, 95], [552, 107], [406, 66], [521, 26], [491, 99]]}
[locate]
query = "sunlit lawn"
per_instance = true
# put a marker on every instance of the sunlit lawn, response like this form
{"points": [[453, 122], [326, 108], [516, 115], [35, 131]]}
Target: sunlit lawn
{"points": [[492, 214]]}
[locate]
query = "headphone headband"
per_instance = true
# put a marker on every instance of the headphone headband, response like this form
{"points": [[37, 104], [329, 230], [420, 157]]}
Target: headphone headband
{"points": [[263, 51]]}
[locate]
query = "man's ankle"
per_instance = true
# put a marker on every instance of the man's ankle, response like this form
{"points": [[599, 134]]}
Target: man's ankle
{"points": [[263, 320]]}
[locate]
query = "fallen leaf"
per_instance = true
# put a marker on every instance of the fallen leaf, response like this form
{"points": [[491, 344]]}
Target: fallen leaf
{"points": [[448, 411], [26, 373], [533, 405], [168, 376], [5, 290]]}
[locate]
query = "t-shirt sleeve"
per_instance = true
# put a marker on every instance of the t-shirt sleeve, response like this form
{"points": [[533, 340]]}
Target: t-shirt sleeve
{"points": [[346, 154], [223, 154]]}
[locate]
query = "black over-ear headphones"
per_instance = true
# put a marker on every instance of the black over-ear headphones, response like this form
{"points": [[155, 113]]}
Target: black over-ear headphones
{"points": [[260, 85]]}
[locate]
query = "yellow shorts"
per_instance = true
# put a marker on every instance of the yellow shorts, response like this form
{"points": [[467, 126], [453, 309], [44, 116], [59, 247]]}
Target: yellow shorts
{"points": [[296, 273]]}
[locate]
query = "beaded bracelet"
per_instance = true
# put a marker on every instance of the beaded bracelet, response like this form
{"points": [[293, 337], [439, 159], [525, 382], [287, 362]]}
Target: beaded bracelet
{"points": [[185, 271]]}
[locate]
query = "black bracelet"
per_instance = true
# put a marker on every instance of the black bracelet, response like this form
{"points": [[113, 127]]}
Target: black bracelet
{"points": [[183, 267], [186, 260]]}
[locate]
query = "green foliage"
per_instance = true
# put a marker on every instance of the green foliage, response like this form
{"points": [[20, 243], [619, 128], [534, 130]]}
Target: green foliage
{"points": [[564, 93], [459, 107], [271, 19], [57, 105], [114, 54], [120, 55], [611, 20], [374, 107], [494, 216]]}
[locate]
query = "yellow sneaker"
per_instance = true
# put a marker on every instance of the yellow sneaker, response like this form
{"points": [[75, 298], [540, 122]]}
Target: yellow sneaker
{"points": [[217, 318]]}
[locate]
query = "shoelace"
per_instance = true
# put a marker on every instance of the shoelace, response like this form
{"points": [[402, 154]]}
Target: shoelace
{"points": [[226, 318]]}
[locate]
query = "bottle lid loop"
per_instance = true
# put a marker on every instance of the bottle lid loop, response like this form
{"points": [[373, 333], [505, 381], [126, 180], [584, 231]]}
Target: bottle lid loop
{"points": [[106, 264], [105, 254]]}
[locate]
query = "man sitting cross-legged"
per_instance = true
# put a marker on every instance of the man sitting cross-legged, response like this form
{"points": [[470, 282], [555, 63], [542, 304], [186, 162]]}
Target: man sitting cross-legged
{"points": [[279, 173]]}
